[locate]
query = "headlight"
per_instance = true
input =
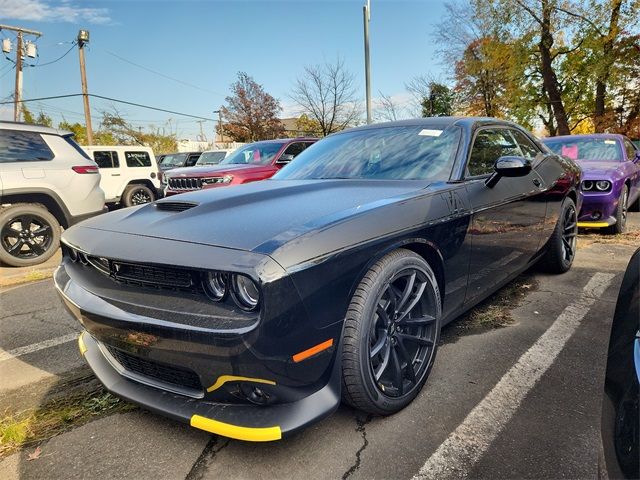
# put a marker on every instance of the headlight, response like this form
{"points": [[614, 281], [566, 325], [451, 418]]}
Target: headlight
{"points": [[245, 292], [215, 284], [603, 185], [587, 185], [227, 179]]}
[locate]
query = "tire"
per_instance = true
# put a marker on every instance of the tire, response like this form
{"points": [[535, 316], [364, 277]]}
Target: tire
{"points": [[137, 195], [626, 432], [621, 213], [29, 235], [561, 247], [373, 331]]}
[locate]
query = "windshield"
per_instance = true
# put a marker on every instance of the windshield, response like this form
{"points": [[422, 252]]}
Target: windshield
{"points": [[589, 149], [210, 158], [392, 153], [175, 160], [261, 153]]}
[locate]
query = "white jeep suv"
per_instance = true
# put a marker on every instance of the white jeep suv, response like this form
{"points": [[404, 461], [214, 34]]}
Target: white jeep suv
{"points": [[46, 182]]}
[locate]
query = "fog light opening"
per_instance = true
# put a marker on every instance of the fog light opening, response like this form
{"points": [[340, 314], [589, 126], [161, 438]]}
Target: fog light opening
{"points": [[596, 215]]}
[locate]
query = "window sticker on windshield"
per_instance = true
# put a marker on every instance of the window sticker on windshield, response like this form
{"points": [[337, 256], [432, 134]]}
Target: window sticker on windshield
{"points": [[610, 142], [430, 133]]}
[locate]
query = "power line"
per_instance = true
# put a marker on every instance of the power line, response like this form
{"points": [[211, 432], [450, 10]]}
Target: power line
{"points": [[54, 61], [55, 97], [161, 74]]}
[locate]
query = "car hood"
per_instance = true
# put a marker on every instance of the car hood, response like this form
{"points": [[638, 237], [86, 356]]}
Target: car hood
{"points": [[259, 216], [602, 169], [208, 170]]}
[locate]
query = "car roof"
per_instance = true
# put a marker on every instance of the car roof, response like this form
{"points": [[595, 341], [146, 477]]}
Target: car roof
{"points": [[27, 127], [586, 135], [439, 123]]}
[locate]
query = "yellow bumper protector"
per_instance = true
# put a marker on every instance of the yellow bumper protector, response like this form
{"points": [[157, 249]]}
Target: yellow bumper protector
{"points": [[264, 434], [593, 224], [222, 379], [81, 345]]}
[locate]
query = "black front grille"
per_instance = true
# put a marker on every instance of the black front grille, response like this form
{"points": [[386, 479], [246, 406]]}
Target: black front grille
{"points": [[178, 376], [185, 183], [175, 206], [154, 275]]}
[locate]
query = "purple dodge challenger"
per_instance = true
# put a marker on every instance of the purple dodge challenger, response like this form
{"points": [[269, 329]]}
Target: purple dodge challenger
{"points": [[611, 179]]}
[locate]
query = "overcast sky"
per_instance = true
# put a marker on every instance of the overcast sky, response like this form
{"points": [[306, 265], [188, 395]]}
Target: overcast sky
{"points": [[204, 43]]}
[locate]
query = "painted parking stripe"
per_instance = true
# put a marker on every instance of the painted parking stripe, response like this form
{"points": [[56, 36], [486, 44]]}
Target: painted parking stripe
{"points": [[34, 347], [455, 457]]}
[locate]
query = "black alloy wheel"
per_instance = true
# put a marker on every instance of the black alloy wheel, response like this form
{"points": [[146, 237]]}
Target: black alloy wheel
{"points": [[621, 213], [569, 234], [391, 334], [560, 250], [137, 195], [29, 235], [402, 337]]}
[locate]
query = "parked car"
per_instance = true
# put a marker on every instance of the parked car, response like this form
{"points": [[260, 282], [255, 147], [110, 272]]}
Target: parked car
{"points": [[620, 423], [611, 183], [130, 174], [177, 160], [250, 312], [46, 182], [253, 162], [213, 157]]}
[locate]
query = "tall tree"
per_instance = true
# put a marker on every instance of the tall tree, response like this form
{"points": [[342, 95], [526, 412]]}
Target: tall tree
{"points": [[327, 94], [251, 114]]}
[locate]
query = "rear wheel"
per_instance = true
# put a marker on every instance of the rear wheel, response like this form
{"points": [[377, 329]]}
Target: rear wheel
{"points": [[137, 195], [391, 334], [29, 235], [621, 213], [561, 248]]}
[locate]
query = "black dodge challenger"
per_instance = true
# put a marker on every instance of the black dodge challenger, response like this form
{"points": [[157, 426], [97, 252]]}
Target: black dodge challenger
{"points": [[252, 311]]}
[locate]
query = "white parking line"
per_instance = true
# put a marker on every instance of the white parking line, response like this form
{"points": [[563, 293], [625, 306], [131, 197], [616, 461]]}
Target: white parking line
{"points": [[34, 347], [455, 457]]}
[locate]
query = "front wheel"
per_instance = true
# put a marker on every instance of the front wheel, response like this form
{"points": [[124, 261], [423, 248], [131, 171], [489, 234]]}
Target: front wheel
{"points": [[137, 195], [29, 235], [391, 334], [561, 247], [621, 213]]}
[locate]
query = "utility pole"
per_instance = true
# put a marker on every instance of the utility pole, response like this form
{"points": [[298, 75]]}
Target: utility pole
{"points": [[17, 96], [219, 112], [83, 39], [366, 10]]}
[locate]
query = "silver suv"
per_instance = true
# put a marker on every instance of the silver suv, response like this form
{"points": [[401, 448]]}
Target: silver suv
{"points": [[46, 181]]}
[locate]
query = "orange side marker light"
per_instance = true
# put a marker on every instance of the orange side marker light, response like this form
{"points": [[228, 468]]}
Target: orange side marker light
{"points": [[298, 357]]}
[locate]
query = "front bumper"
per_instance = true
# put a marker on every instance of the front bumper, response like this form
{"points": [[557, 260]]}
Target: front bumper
{"points": [[598, 209], [229, 355], [242, 422]]}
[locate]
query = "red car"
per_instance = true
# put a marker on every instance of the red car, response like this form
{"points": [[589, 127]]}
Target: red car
{"points": [[253, 162]]}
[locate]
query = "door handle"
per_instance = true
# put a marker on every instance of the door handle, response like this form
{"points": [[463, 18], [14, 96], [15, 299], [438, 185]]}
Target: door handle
{"points": [[115, 174]]}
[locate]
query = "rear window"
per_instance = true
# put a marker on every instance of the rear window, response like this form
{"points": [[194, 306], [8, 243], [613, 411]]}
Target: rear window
{"points": [[16, 146], [106, 158], [589, 149], [137, 159]]}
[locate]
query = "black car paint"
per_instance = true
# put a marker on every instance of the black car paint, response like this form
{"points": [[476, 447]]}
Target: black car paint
{"points": [[308, 244]]}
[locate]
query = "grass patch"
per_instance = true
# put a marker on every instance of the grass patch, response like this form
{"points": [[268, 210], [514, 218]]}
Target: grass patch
{"points": [[628, 238], [495, 311], [56, 416]]}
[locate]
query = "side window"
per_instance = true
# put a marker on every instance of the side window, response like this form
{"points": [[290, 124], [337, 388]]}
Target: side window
{"points": [[23, 147], [191, 161], [489, 145], [137, 159], [106, 159], [295, 149], [631, 151], [529, 150]]}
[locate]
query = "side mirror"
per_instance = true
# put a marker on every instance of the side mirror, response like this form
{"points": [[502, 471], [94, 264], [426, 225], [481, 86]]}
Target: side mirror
{"points": [[285, 158], [509, 167]]}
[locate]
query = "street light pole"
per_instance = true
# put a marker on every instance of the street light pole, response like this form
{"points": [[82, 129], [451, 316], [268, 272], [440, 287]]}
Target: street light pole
{"points": [[366, 10], [83, 39], [219, 112]]}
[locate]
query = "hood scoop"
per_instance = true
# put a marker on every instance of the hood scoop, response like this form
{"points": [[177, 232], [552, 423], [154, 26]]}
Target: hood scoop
{"points": [[175, 206]]}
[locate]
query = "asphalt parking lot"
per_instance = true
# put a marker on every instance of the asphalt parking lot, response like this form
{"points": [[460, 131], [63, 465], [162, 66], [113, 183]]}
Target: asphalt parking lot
{"points": [[523, 400]]}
